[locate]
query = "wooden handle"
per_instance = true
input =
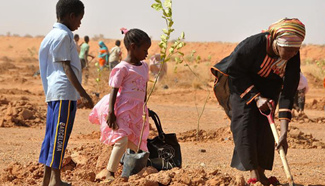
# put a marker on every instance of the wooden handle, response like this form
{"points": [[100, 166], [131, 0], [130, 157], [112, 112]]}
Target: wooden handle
{"points": [[282, 154]]}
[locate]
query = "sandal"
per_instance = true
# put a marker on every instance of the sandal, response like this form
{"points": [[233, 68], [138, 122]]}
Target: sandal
{"points": [[273, 180], [251, 181]]}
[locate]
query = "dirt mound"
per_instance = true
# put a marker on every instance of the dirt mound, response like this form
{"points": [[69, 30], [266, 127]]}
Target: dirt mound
{"points": [[220, 135], [4, 67], [18, 174], [299, 140], [93, 135], [303, 118], [82, 163], [31, 70], [15, 91], [316, 104], [296, 138], [96, 134], [20, 113], [150, 176]]}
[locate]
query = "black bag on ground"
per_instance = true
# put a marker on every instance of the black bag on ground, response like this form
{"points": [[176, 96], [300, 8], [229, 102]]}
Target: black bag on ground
{"points": [[165, 151]]}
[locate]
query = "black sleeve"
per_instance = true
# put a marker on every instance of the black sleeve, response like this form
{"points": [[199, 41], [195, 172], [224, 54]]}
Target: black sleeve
{"points": [[290, 84], [240, 68]]}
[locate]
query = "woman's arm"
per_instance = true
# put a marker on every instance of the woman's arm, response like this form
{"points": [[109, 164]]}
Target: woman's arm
{"points": [[290, 84]]}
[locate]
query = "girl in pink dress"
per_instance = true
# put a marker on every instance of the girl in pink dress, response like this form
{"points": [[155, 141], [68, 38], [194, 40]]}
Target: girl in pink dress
{"points": [[119, 113]]}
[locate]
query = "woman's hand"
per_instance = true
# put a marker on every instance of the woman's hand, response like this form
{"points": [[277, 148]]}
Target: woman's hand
{"points": [[111, 121], [262, 103], [283, 136]]}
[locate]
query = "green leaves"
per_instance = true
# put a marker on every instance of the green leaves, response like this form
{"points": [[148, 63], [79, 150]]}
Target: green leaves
{"points": [[182, 35], [157, 6], [168, 4], [166, 52]]}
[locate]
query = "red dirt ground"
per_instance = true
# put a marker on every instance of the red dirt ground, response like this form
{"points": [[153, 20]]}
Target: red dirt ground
{"points": [[205, 161]]}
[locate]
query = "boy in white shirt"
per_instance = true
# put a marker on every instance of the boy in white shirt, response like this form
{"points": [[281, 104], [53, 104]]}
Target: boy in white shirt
{"points": [[60, 71], [115, 55]]}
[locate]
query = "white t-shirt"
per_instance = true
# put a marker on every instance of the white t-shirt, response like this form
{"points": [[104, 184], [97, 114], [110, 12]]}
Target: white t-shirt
{"points": [[57, 46], [303, 83], [114, 54]]}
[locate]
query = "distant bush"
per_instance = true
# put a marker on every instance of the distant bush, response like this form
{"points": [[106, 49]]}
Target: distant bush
{"points": [[28, 36]]}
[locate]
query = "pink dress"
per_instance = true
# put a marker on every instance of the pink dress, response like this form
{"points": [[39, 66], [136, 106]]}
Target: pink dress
{"points": [[131, 81]]}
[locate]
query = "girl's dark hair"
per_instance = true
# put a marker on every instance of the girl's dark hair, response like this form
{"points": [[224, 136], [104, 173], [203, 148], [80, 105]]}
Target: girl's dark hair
{"points": [[66, 7], [135, 36]]}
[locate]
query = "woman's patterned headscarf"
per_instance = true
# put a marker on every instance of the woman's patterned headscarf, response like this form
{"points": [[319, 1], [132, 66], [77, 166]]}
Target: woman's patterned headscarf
{"points": [[287, 32]]}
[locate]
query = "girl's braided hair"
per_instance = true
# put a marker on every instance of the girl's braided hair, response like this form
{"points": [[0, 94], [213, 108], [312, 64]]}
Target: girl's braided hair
{"points": [[135, 36]]}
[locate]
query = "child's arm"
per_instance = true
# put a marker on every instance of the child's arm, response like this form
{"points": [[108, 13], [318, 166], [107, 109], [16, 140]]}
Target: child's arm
{"points": [[86, 100], [111, 120], [87, 54]]}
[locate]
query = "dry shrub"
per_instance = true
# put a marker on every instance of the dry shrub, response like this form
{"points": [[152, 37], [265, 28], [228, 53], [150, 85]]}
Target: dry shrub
{"points": [[313, 74], [180, 75]]}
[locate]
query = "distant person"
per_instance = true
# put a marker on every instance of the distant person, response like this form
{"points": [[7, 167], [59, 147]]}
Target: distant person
{"points": [[60, 71], [115, 55], [300, 97], [156, 65], [259, 68], [76, 40], [103, 54], [120, 113], [84, 53]]}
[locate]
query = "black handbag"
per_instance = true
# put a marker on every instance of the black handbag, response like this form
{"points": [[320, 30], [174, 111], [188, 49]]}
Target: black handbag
{"points": [[165, 151]]}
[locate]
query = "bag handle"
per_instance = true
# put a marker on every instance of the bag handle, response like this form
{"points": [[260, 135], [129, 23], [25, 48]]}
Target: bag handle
{"points": [[156, 119]]}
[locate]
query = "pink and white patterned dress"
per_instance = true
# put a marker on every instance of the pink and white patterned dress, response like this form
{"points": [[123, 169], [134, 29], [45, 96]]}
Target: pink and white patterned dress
{"points": [[131, 81]]}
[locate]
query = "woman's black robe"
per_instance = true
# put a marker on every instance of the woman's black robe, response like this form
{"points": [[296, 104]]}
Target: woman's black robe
{"points": [[247, 72]]}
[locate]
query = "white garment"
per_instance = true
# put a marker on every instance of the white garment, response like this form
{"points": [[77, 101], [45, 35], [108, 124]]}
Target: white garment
{"points": [[57, 46], [303, 83], [114, 54]]}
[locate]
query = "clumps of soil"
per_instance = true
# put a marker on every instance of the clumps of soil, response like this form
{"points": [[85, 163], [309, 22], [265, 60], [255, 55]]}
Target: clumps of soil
{"points": [[18, 174], [5, 59], [4, 67], [93, 135], [296, 138], [220, 135], [299, 140], [96, 134], [85, 165], [15, 91], [176, 176], [303, 118], [79, 165], [31, 70], [20, 113], [316, 104]]}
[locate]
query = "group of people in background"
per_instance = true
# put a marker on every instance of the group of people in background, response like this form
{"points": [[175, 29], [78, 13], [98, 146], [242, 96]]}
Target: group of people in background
{"points": [[106, 58]]}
